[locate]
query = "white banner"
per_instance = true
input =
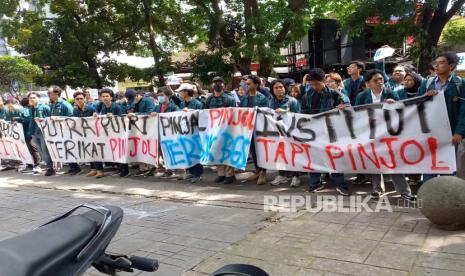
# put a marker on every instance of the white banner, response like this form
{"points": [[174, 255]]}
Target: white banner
{"points": [[225, 134], [412, 136], [179, 139], [12, 142], [107, 139], [383, 52]]}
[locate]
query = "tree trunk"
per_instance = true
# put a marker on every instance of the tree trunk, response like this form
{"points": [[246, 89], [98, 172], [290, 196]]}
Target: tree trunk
{"points": [[431, 41], [433, 27], [266, 67], [93, 69], [242, 65], [152, 43]]}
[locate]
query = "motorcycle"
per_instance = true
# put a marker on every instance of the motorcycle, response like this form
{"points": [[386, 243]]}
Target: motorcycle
{"points": [[71, 243]]}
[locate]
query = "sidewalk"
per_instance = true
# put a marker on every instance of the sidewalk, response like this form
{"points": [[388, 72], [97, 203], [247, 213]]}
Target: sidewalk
{"points": [[399, 243]]}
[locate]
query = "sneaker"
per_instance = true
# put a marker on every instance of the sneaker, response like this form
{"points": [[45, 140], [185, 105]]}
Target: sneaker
{"points": [[92, 173], [195, 179], [317, 188], [151, 172], [75, 172], [185, 176], [99, 174], [376, 195], [125, 173], [253, 177], [50, 172], [167, 174], [343, 191], [261, 179], [295, 182], [6, 168], [140, 173], [409, 198], [21, 168], [27, 169], [229, 179], [219, 179], [280, 180], [115, 173], [37, 170]]}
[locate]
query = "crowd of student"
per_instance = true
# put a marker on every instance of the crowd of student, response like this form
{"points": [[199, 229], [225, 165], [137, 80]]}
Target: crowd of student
{"points": [[318, 92]]}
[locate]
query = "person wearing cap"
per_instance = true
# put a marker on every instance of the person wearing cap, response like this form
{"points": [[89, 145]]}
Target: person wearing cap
{"points": [[165, 105], [255, 99], [174, 82], [220, 99], [130, 94], [186, 91], [141, 105]]}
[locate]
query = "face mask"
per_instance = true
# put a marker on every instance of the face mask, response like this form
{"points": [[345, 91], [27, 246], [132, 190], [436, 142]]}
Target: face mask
{"points": [[218, 87], [161, 99]]}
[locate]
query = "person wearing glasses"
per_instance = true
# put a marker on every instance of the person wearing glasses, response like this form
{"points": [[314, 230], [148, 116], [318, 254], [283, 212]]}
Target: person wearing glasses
{"points": [[355, 84]]}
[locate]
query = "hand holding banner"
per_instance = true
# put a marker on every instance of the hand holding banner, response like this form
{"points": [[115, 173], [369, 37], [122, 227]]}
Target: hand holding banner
{"points": [[180, 139], [225, 134], [12, 142], [362, 139], [119, 139]]}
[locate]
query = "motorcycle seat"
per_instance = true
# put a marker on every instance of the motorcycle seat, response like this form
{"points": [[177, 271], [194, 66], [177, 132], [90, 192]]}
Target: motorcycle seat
{"points": [[42, 250]]}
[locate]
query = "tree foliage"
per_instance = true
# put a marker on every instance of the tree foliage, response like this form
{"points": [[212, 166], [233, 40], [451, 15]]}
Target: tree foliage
{"points": [[454, 32], [398, 19], [68, 41], [209, 65], [246, 31], [17, 68]]}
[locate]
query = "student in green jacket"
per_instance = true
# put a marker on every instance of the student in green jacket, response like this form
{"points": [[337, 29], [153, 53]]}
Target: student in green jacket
{"points": [[186, 91], [378, 93], [255, 99], [39, 111], [2, 109], [453, 87]]}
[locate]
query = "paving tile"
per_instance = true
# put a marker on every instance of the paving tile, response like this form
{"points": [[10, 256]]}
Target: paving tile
{"points": [[454, 244], [351, 249], [455, 262], [403, 237], [424, 271], [354, 268], [390, 255]]}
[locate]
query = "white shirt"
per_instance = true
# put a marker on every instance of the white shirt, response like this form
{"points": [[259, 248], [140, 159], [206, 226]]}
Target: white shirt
{"points": [[376, 99]]}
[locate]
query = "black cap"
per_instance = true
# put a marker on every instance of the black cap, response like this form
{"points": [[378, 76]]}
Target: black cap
{"points": [[218, 78]]}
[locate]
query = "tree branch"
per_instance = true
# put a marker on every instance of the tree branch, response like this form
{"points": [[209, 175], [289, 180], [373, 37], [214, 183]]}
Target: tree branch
{"points": [[455, 8], [296, 6]]}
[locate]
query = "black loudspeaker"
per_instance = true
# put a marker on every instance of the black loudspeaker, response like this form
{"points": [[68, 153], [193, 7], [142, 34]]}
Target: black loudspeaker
{"points": [[324, 43], [352, 48]]}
